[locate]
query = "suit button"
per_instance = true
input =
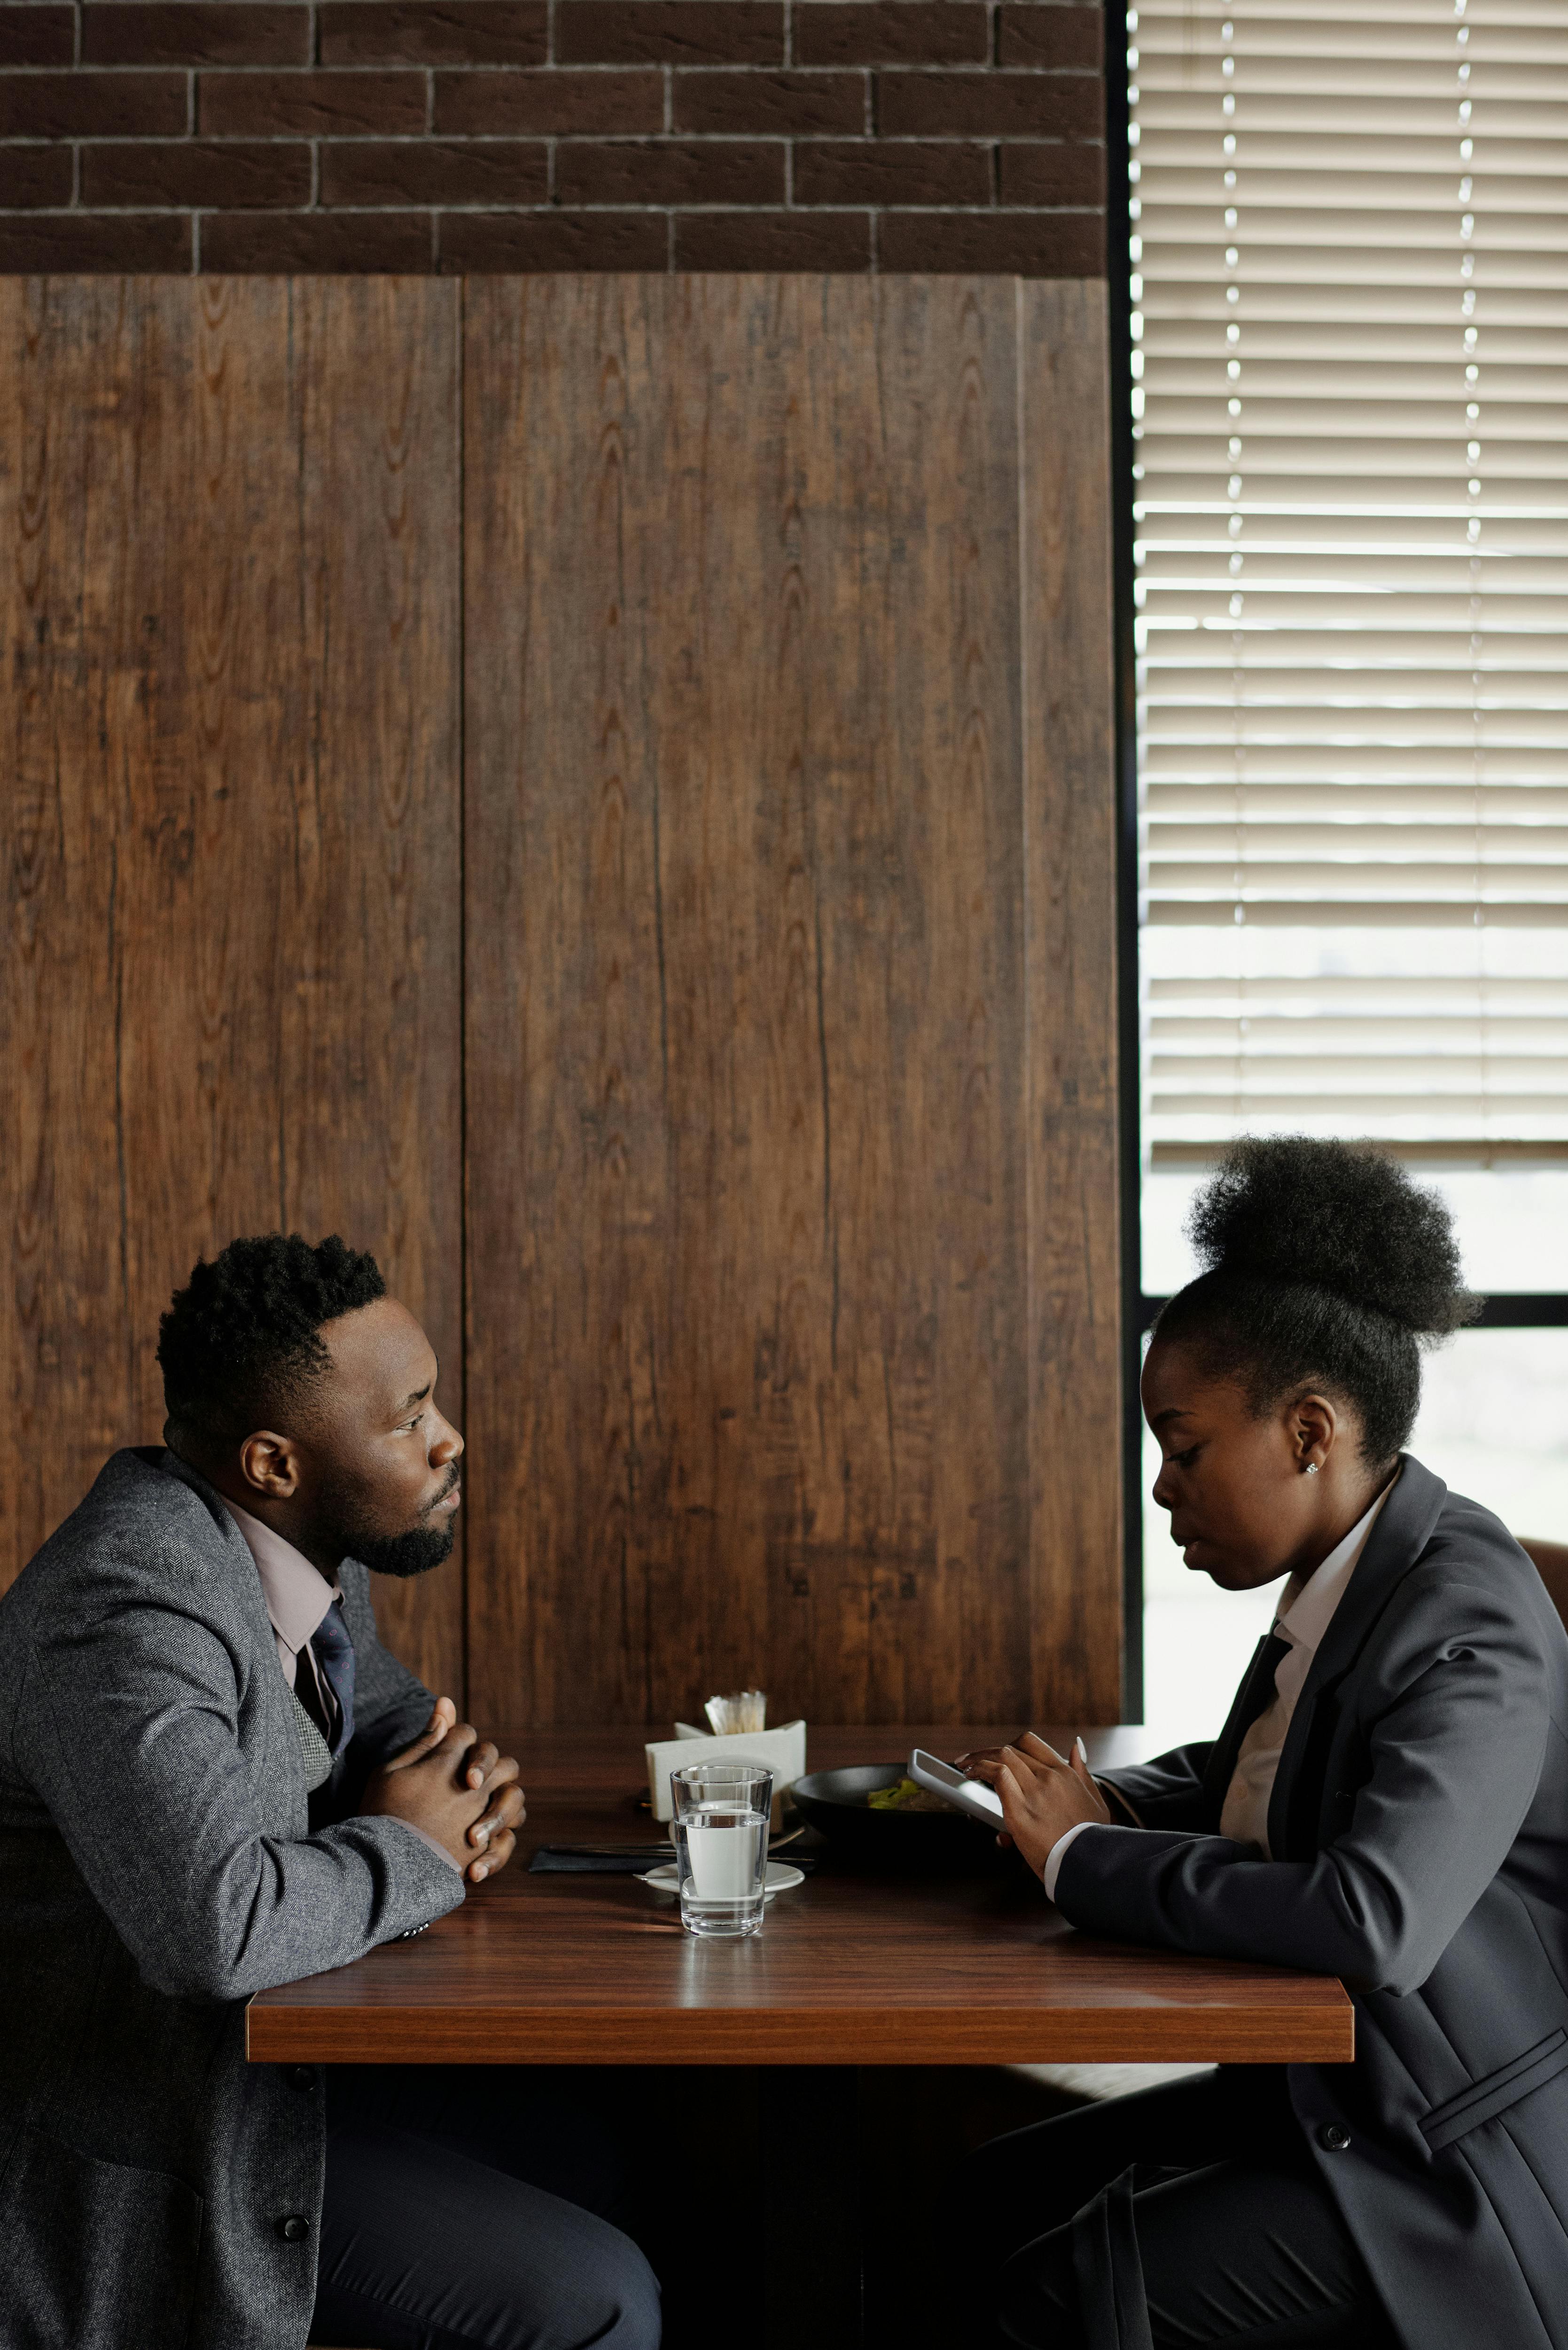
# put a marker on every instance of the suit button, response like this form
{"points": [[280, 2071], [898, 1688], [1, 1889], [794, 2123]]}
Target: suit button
{"points": [[1334, 2138], [300, 2076], [293, 2230]]}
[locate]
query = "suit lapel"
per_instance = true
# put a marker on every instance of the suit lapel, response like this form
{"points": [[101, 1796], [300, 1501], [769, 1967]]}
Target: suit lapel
{"points": [[1402, 1530]]}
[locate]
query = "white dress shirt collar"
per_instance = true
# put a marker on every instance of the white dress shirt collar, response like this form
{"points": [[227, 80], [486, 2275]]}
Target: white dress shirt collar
{"points": [[1306, 1608], [1306, 1611]]}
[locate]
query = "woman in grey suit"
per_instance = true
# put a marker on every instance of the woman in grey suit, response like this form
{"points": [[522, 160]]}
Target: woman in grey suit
{"points": [[1387, 1803]]}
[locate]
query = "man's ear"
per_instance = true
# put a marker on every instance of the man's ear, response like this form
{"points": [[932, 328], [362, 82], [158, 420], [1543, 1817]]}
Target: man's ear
{"points": [[270, 1465]]}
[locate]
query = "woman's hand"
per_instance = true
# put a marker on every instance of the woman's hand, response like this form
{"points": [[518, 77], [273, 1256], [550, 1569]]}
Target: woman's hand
{"points": [[1043, 1794]]}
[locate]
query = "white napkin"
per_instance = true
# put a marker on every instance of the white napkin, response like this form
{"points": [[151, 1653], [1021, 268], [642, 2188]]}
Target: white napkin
{"points": [[781, 1750]]}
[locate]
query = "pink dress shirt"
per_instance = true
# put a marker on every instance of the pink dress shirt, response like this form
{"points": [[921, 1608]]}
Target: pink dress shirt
{"points": [[298, 1596]]}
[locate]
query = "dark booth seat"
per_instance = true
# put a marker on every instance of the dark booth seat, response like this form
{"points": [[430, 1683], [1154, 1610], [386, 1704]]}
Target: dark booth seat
{"points": [[1551, 1560]]}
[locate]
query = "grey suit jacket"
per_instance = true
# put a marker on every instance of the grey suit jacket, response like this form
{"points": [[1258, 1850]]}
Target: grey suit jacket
{"points": [[156, 1866], [1420, 1821]]}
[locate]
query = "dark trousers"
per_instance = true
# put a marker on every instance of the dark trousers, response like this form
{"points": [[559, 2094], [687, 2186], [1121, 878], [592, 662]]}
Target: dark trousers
{"points": [[473, 2208], [1240, 2241]]}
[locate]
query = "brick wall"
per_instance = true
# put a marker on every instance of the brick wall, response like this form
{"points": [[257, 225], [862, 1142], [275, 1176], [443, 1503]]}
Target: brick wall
{"points": [[551, 134]]}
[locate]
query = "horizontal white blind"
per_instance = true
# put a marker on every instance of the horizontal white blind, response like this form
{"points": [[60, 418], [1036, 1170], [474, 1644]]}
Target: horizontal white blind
{"points": [[1350, 255]]}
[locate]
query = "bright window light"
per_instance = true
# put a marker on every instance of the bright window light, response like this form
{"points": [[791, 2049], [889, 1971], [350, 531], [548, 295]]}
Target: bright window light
{"points": [[1353, 702]]}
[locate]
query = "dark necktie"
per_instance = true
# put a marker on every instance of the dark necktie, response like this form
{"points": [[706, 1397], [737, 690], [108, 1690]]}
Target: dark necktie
{"points": [[1256, 1694], [334, 1653], [1271, 1651]]}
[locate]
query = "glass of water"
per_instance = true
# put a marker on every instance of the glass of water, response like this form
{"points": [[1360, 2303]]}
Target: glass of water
{"points": [[722, 1812]]}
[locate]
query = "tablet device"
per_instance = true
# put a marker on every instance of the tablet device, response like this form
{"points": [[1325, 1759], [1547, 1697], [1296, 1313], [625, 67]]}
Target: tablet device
{"points": [[971, 1795]]}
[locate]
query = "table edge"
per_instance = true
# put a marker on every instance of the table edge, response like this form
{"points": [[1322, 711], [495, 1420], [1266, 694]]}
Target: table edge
{"points": [[1320, 2032]]}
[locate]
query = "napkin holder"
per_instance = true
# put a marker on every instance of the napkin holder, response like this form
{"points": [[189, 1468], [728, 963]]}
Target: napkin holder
{"points": [[781, 1750]]}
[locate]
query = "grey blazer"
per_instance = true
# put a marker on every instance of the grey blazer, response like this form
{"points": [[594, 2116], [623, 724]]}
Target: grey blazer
{"points": [[1420, 1820], [156, 1866]]}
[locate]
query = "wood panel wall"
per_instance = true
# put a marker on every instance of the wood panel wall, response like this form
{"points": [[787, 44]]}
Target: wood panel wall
{"points": [[610, 778], [791, 1120], [230, 983]]}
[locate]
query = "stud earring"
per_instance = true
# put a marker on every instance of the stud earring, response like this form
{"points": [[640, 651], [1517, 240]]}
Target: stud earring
{"points": [[1312, 1468]]}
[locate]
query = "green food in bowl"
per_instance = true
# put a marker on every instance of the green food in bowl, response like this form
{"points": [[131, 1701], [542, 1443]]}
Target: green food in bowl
{"points": [[906, 1796]]}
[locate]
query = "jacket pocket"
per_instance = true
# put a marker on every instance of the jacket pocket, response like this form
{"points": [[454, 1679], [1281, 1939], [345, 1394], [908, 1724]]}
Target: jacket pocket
{"points": [[98, 2255], [1493, 2095]]}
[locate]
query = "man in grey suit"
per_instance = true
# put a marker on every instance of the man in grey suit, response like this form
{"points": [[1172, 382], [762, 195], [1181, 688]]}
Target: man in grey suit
{"points": [[213, 1778]]}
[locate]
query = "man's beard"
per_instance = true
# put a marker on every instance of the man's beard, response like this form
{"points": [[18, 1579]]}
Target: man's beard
{"points": [[413, 1553]]}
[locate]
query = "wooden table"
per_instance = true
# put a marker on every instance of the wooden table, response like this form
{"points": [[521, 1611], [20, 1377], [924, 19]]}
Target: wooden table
{"points": [[851, 1972]]}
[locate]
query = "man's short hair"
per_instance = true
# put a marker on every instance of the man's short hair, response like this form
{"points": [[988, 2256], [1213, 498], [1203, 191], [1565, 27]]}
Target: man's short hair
{"points": [[241, 1341]]}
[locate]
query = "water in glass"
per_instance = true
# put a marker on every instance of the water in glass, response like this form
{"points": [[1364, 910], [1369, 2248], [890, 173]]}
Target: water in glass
{"points": [[722, 1815]]}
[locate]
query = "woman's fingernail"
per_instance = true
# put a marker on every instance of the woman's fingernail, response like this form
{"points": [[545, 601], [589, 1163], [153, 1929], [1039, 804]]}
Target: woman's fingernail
{"points": [[478, 1869], [1082, 1750]]}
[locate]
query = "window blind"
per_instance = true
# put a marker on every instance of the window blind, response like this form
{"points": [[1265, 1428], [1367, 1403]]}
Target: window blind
{"points": [[1350, 293]]}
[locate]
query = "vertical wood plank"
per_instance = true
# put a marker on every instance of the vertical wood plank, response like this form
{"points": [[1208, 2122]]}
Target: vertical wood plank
{"points": [[750, 1101], [230, 982], [1074, 1286]]}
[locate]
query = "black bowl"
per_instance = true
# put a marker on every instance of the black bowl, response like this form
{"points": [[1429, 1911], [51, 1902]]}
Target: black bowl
{"points": [[914, 1843]]}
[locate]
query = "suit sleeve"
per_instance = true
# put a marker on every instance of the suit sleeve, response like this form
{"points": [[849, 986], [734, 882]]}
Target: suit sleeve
{"points": [[129, 1733], [1456, 1750], [1168, 1791]]}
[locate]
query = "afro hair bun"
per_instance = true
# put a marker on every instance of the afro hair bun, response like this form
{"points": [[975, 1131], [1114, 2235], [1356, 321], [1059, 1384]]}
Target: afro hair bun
{"points": [[1341, 1217]]}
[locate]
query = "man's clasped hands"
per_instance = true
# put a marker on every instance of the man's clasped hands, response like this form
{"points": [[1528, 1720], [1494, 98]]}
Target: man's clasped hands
{"points": [[460, 1789]]}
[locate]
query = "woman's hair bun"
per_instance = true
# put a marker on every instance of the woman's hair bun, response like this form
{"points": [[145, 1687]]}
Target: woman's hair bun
{"points": [[1337, 1216]]}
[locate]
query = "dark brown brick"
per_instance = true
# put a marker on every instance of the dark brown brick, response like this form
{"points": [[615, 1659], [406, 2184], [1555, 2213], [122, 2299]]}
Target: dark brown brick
{"points": [[431, 171], [346, 243], [1013, 245], [435, 33], [34, 175], [989, 106], [669, 32], [187, 173], [93, 105], [711, 171], [195, 33], [545, 105], [1043, 35], [156, 242], [526, 242], [276, 105], [896, 32], [839, 242], [890, 172], [37, 37], [780, 102], [1064, 174]]}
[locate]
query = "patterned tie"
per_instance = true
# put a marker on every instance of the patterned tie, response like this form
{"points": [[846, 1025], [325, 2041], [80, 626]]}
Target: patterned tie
{"points": [[334, 1653]]}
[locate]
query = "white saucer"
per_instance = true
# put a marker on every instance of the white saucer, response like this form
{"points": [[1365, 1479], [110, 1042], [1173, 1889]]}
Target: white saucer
{"points": [[780, 1878]]}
